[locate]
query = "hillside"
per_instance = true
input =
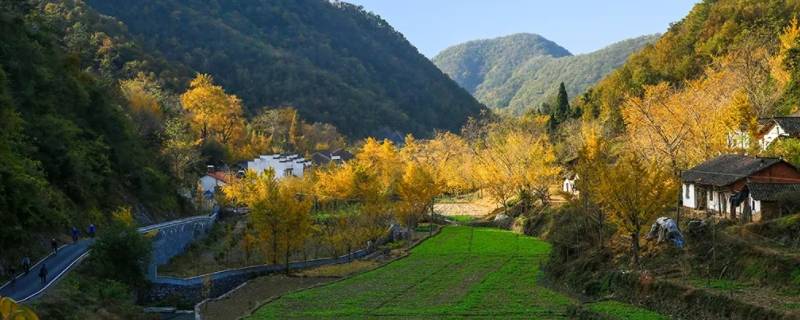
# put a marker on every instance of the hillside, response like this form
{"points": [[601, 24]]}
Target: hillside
{"points": [[67, 151], [713, 29], [521, 71], [330, 60]]}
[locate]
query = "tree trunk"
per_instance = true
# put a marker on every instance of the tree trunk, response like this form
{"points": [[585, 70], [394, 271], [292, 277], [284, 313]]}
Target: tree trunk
{"points": [[635, 248], [288, 249], [274, 246]]}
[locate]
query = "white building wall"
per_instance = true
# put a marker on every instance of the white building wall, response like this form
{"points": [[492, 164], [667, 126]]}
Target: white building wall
{"points": [[209, 183], [689, 195], [771, 135]]}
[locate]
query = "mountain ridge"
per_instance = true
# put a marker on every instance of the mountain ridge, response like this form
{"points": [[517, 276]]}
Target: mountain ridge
{"points": [[524, 85]]}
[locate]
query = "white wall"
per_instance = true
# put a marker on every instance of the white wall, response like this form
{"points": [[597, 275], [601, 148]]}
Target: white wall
{"points": [[688, 195], [771, 135], [209, 183], [278, 164]]}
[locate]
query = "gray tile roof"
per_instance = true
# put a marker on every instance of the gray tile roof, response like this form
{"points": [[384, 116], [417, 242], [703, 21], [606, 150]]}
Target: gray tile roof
{"points": [[790, 124], [726, 169]]}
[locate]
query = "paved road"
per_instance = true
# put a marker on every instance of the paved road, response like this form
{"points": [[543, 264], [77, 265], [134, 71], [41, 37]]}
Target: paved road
{"points": [[29, 286]]}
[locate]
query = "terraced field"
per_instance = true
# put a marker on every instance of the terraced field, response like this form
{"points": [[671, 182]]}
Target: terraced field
{"points": [[463, 272]]}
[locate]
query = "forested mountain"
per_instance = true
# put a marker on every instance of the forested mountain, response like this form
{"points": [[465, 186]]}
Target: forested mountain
{"points": [[520, 72], [744, 36], [68, 151], [333, 61]]}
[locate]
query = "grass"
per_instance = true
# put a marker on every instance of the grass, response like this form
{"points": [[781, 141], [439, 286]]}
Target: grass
{"points": [[462, 219], [623, 311], [462, 272]]}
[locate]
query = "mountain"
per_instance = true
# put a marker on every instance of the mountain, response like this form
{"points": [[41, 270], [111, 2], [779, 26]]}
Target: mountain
{"points": [[332, 61], [713, 29], [519, 72]]}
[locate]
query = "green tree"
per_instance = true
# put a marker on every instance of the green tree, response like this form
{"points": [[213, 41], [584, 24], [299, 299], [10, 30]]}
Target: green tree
{"points": [[121, 253]]}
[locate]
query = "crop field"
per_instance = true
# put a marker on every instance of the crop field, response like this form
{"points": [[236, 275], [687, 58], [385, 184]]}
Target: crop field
{"points": [[622, 311], [462, 272]]}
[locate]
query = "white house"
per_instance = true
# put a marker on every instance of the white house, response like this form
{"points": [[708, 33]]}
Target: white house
{"points": [[212, 180], [772, 129], [284, 165], [569, 184]]}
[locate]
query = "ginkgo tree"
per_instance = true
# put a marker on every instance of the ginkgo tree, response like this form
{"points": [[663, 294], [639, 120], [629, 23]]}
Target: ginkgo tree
{"points": [[634, 191], [213, 113], [279, 212]]}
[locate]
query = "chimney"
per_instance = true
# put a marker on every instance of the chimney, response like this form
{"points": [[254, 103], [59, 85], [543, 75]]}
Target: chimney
{"points": [[210, 168]]}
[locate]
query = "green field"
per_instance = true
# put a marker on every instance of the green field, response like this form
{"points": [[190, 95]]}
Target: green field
{"points": [[624, 311], [462, 272]]}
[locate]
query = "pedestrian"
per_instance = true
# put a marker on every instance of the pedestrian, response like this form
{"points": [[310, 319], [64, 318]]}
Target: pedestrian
{"points": [[26, 264], [54, 245], [92, 230], [43, 274], [75, 234], [13, 274]]}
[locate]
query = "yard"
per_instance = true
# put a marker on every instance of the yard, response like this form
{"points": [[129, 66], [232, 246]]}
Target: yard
{"points": [[462, 272]]}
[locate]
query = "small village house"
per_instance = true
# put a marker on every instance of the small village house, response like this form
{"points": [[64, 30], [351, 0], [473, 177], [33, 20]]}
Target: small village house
{"points": [[284, 165], [337, 156], [212, 180], [772, 129], [739, 186]]}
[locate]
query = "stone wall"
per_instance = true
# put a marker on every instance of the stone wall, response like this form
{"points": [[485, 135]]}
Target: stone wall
{"points": [[172, 238]]}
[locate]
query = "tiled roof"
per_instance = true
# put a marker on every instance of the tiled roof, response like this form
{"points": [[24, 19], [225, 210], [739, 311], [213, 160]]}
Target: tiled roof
{"points": [[789, 124], [772, 191], [219, 175], [726, 169]]}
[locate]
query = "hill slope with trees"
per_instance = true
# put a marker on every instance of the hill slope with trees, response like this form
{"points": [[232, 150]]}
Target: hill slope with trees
{"points": [[521, 71], [332, 61]]}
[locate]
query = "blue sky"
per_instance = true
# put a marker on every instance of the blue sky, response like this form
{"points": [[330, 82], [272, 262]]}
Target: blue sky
{"points": [[581, 26]]}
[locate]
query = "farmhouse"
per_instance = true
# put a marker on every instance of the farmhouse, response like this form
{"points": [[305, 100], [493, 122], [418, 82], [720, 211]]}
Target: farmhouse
{"points": [[740, 186], [771, 129], [212, 180], [337, 156], [284, 165]]}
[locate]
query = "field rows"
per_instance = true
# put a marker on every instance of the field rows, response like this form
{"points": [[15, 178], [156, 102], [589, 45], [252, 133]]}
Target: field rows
{"points": [[462, 272]]}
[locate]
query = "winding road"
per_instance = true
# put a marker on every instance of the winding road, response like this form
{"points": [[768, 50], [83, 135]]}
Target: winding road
{"points": [[27, 287]]}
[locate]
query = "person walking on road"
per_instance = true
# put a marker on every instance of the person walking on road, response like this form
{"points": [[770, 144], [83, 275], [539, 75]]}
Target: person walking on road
{"points": [[26, 264], [54, 245], [92, 230], [75, 234], [43, 274]]}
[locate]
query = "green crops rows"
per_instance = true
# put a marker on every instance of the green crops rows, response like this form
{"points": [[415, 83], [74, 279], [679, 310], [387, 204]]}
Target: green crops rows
{"points": [[624, 311], [462, 272]]}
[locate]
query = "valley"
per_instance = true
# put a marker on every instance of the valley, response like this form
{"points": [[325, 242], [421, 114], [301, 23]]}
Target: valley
{"points": [[302, 159]]}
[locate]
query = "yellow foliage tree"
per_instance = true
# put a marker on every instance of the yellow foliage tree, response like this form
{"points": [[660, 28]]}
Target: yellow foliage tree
{"points": [[11, 310], [516, 162], [634, 191], [279, 211], [212, 112]]}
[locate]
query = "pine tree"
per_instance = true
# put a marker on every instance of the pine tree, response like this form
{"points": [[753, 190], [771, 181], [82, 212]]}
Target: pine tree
{"points": [[562, 109]]}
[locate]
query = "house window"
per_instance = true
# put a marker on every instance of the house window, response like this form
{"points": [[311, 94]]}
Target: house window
{"points": [[686, 191], [288, 172]]}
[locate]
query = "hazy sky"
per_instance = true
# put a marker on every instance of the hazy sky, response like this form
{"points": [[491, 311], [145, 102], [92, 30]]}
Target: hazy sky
{"points": [[579, 25]]}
